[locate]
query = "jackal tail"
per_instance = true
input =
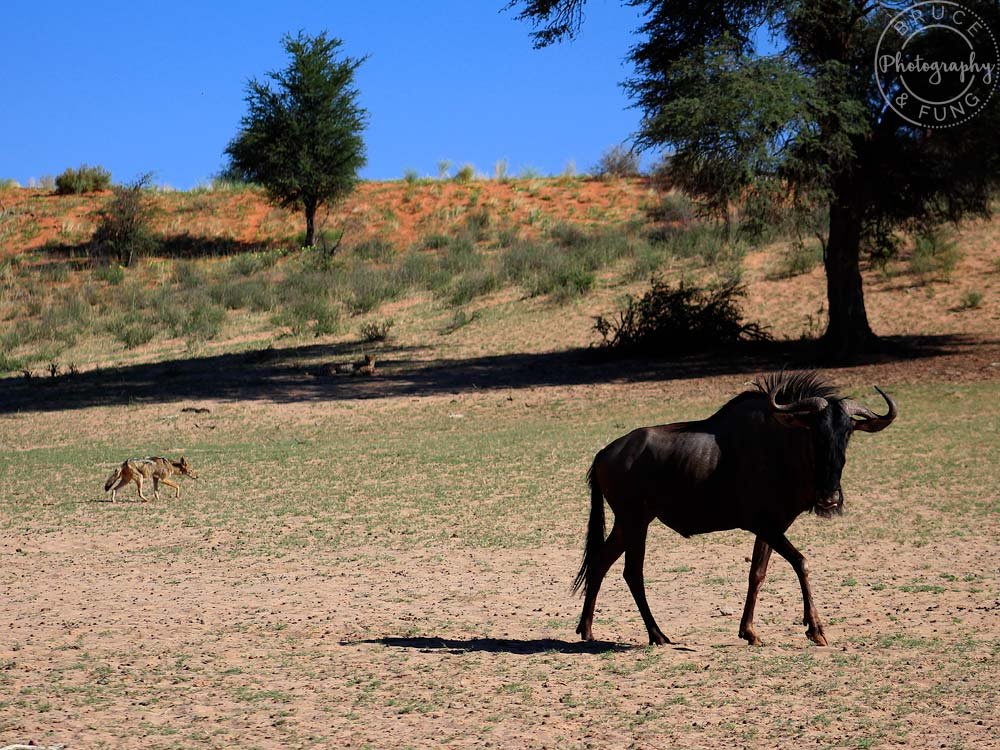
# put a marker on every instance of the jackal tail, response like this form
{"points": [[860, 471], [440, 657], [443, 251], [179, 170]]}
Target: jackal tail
{"points": [[112, 478]]}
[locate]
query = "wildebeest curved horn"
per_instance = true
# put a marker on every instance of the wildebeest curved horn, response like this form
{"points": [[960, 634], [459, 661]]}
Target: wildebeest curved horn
{"points": [[812, 405], [870, 421]]}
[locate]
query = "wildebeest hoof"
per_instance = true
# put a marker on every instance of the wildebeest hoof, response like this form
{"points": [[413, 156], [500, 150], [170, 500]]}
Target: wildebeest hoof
{"points": [[751, 638], [816, 636], [658, 640]]}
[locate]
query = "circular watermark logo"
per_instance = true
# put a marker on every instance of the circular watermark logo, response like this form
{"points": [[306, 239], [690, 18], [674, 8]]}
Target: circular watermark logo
{"points": [[936, 64]]}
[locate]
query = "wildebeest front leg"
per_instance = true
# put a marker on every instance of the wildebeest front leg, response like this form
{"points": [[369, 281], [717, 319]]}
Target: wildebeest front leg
{"points": [[635, 553], [613, 547], [810, 617], [758, 570]]}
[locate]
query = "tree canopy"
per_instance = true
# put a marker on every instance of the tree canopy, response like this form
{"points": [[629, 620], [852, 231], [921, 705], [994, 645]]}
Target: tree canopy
{"points": [[302, 138], [806, 117]]}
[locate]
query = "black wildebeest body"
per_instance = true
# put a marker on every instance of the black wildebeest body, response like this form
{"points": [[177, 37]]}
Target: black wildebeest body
{"points": [[756, 464]]}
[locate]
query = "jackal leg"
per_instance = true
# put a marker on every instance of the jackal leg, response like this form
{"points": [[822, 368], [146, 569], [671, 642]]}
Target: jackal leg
{"points": [[177, 487]]}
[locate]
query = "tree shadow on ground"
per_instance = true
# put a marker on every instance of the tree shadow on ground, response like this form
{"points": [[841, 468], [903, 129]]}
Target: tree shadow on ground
{"points": [[302, 373], [497, 645], [182, 245]]}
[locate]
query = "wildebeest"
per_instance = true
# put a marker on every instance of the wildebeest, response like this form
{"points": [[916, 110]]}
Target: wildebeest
{"points": [[768, 455]]}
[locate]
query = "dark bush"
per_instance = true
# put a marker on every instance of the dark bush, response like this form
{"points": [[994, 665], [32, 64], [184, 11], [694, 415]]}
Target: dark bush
{"points": [[83, 180], [669, 320], [123, 232]]}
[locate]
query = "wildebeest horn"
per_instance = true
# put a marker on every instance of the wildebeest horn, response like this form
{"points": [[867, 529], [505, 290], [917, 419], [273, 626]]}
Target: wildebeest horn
{"points": [[812, 405], [870, 421]]}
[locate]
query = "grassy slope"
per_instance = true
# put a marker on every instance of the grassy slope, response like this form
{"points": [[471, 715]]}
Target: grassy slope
{"points": [[411, 262]]}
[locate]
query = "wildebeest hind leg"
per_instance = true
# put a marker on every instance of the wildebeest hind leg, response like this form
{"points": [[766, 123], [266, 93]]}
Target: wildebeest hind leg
{"points": [[613, 547], [635, 553], [758, 570]]}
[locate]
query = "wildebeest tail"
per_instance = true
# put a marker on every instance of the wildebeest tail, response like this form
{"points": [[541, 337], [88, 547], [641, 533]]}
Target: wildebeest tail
{"points": [[112, 478], [595, 534]]}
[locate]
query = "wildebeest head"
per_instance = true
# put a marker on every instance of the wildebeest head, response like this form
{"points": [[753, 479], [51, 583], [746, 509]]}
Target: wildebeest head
{"points": [[814, 405]]}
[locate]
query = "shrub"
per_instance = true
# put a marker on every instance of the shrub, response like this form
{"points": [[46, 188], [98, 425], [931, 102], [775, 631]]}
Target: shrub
{"points": [[123, 232], [699, 240], [478, 224], [410, 176], [648, 260], [568, 235], [377, 249], [7, 183], [203, 321], [132, 329], [111, 274], [376, 330], [435, 241], [471, 285], [247, 264], [796, 259], [971, 300], [187, 273], [83, 180], [241, 293], [370, 287], [507, 236], [548, 269], [317, 314], [673, 208], [669, 320], [421, 271], [466, 174], [934, 256], [567, 283], [461, 256], [618, 162]]}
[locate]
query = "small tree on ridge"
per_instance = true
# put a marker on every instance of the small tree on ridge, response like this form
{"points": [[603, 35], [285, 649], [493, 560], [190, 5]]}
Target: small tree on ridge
{"points": [[302, 139]]}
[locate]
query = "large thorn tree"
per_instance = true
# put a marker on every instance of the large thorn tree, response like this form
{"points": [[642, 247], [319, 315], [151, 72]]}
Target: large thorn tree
{"points": [[805, 121], [302, 139]]}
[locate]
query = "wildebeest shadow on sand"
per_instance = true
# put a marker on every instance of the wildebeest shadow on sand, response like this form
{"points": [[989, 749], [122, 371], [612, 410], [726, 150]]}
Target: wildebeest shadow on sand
{"points": [[500, 645], [303, 373]]}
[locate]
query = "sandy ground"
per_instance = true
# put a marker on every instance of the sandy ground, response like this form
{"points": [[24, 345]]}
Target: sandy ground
{"points": [[170, 634], [470, 648]]}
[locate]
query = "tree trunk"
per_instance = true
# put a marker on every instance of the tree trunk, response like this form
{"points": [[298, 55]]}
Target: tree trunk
{"points": [[310, 224], [848, 332]]}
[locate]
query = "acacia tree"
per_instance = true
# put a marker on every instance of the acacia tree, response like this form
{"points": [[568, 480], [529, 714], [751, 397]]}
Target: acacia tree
{"points": [[302, 139], [806, 122]]}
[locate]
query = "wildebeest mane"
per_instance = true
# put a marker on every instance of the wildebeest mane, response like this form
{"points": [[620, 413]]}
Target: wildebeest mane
{"points": [[788, 387]]}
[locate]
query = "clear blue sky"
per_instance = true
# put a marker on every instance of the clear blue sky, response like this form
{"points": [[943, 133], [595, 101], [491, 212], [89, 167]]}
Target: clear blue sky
{"points": [[159, 87]]}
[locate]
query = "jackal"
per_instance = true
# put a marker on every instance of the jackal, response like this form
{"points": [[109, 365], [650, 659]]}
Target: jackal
{"points": [[157, 468]]}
